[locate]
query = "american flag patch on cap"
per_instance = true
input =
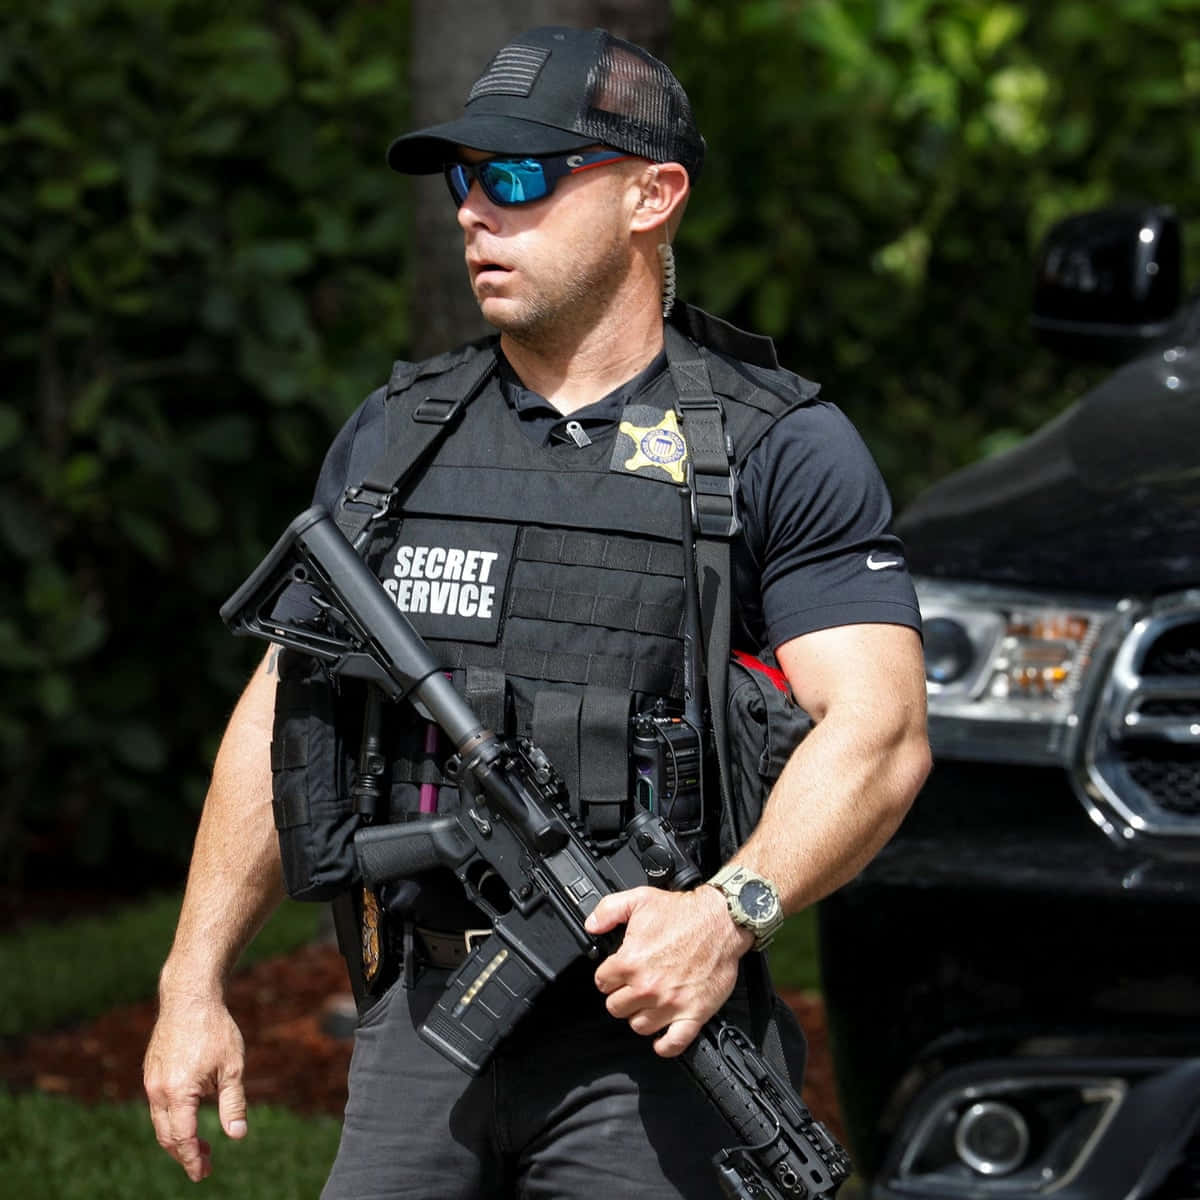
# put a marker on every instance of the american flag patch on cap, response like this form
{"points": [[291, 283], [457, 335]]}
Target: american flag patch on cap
{"points": [[513, 72]]}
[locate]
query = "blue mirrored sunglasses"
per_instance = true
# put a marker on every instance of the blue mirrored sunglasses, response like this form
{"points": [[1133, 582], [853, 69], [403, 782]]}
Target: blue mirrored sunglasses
{"points": [[510, 181]]}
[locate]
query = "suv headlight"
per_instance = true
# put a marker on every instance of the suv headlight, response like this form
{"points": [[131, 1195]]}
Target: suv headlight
{"points": [[1008, 671]]}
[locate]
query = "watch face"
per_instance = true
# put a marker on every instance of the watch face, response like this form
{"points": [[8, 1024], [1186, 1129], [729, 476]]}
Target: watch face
{"points": [[758, 901]]}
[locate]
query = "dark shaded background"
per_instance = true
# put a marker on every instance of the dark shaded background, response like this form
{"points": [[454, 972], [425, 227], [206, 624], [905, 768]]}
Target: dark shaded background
{"points": [[204, 265]]}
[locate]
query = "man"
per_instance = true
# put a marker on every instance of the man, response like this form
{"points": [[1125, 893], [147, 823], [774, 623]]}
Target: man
{"points": [[570, 170]]}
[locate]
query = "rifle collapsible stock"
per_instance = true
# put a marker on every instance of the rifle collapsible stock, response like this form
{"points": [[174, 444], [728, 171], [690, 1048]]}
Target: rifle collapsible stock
{"points": [[522, 857]]}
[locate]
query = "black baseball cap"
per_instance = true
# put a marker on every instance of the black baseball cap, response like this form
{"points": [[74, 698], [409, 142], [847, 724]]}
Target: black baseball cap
{"points": [[556, 89]]}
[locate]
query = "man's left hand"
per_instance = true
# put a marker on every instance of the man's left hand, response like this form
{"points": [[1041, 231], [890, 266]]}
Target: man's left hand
{"points": [[676, 965]]}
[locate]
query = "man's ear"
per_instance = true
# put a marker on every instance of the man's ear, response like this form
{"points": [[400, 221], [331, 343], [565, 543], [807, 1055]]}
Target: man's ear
{"points": [[662, 190]]}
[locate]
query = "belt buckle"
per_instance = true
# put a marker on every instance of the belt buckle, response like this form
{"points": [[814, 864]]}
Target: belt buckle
{"points": [[475, 937]]}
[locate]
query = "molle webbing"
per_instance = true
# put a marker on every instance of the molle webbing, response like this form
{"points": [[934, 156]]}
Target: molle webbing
{"points": [[591, 670], [412, 762], [564, 580], [615, 612], [616, 553], [592, 550], [288, 751]]}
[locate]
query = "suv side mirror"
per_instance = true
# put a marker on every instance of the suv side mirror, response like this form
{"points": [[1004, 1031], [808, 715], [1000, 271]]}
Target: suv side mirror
{"points": [[1108, 282]]}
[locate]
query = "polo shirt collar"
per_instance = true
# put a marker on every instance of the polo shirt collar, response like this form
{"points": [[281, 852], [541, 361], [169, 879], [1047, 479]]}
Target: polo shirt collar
{"points": [[534, 410]]}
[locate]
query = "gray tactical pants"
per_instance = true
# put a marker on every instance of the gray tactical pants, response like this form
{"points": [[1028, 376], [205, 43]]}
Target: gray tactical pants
{"points": [[574, 1106]]}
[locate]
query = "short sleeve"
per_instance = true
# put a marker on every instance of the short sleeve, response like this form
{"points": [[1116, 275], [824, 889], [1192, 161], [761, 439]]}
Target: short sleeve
{"points": [[818, 531]]}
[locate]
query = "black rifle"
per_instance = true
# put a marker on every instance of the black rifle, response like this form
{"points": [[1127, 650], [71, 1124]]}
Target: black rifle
{"points": [[522, 858]]}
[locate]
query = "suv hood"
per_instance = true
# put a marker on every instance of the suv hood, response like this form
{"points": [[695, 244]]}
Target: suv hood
{"points": [[1104, 498]]}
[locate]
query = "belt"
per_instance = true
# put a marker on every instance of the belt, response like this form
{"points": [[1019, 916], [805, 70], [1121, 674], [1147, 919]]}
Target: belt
{"points": [[446, 948]]}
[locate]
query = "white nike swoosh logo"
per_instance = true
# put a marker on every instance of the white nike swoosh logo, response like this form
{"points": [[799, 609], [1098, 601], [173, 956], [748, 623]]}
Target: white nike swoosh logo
{"points": [[872, 565]]}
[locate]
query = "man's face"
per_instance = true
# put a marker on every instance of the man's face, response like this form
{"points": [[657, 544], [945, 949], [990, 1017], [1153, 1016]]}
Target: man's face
{"points": [[546, 268]]}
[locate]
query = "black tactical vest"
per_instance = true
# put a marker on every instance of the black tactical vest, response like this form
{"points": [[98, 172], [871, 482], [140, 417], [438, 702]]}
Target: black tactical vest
{"points": [[549, 582]]}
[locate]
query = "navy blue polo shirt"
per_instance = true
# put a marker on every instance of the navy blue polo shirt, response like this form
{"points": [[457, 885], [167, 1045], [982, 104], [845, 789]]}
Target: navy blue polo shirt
{"points": [[816, 550]]}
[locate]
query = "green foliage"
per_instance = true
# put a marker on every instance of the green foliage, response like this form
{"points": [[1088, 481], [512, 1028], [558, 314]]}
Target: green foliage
{"points": [[880, 172], [199, 248], [56, 1149], [42, 986]]}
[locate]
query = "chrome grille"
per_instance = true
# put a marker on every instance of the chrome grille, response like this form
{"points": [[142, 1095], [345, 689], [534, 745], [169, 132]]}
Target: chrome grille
{"points": [[1141, 757], [1171, 774], [1176, 652]]}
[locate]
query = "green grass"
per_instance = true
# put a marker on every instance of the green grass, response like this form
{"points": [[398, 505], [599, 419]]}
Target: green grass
{"points": [[54, 974], [53, 1148], [794, 953], [56, 1149]]}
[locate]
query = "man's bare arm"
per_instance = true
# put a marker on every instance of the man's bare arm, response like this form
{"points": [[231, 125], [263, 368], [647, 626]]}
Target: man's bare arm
{"points": [[840, 797], [850, 783], [234, 883]]}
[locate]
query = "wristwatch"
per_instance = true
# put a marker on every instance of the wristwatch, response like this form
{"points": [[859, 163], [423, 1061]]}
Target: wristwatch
{"points": [[753, 902]]}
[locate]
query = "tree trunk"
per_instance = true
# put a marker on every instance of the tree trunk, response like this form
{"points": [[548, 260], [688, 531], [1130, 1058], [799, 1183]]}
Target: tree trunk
{"points": [[452, 41]]}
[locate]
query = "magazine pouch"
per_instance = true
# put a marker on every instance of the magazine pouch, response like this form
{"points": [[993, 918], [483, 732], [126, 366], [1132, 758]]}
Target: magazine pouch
{"points": [[314, 817]]}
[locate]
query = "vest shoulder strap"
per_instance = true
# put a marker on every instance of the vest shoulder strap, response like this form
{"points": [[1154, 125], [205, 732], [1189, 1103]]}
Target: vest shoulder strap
{"points": [[405, 374], [424, 401], [770, 393], [754, 393], [744, 371], [706, 330], [712, 481]]}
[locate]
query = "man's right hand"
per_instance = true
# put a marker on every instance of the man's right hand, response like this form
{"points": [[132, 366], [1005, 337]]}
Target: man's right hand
{"points": [[235, 882], [196, 1050]]}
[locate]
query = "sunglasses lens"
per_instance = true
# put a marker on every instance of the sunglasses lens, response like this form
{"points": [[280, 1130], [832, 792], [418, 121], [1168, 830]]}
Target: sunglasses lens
{"points": [[508, 181], [513, 181], [459, 181]]}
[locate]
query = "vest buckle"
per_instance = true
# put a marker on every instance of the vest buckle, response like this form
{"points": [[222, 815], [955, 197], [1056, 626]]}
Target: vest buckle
{"points": [[373, 498], [438, 410], [714, 504]]}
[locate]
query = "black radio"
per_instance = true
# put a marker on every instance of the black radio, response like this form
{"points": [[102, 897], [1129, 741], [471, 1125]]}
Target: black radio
{"points": [[666, 766]]}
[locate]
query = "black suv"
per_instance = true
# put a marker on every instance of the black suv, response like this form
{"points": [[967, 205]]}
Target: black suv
{"points": [[1014, 984]]}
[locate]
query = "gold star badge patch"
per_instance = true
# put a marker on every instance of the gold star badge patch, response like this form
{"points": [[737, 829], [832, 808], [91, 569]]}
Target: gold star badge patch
{"points": [[649, 441]]}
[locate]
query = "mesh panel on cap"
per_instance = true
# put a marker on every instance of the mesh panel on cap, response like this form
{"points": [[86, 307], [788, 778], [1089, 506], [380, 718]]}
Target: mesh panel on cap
{"points": [[635, 104]]}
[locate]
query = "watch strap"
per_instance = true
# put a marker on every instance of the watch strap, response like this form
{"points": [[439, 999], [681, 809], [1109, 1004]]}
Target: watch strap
{"points": [[727, 881]]}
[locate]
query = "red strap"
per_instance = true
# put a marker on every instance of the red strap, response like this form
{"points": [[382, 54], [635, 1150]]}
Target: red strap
{"points": [[774, 674]]}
